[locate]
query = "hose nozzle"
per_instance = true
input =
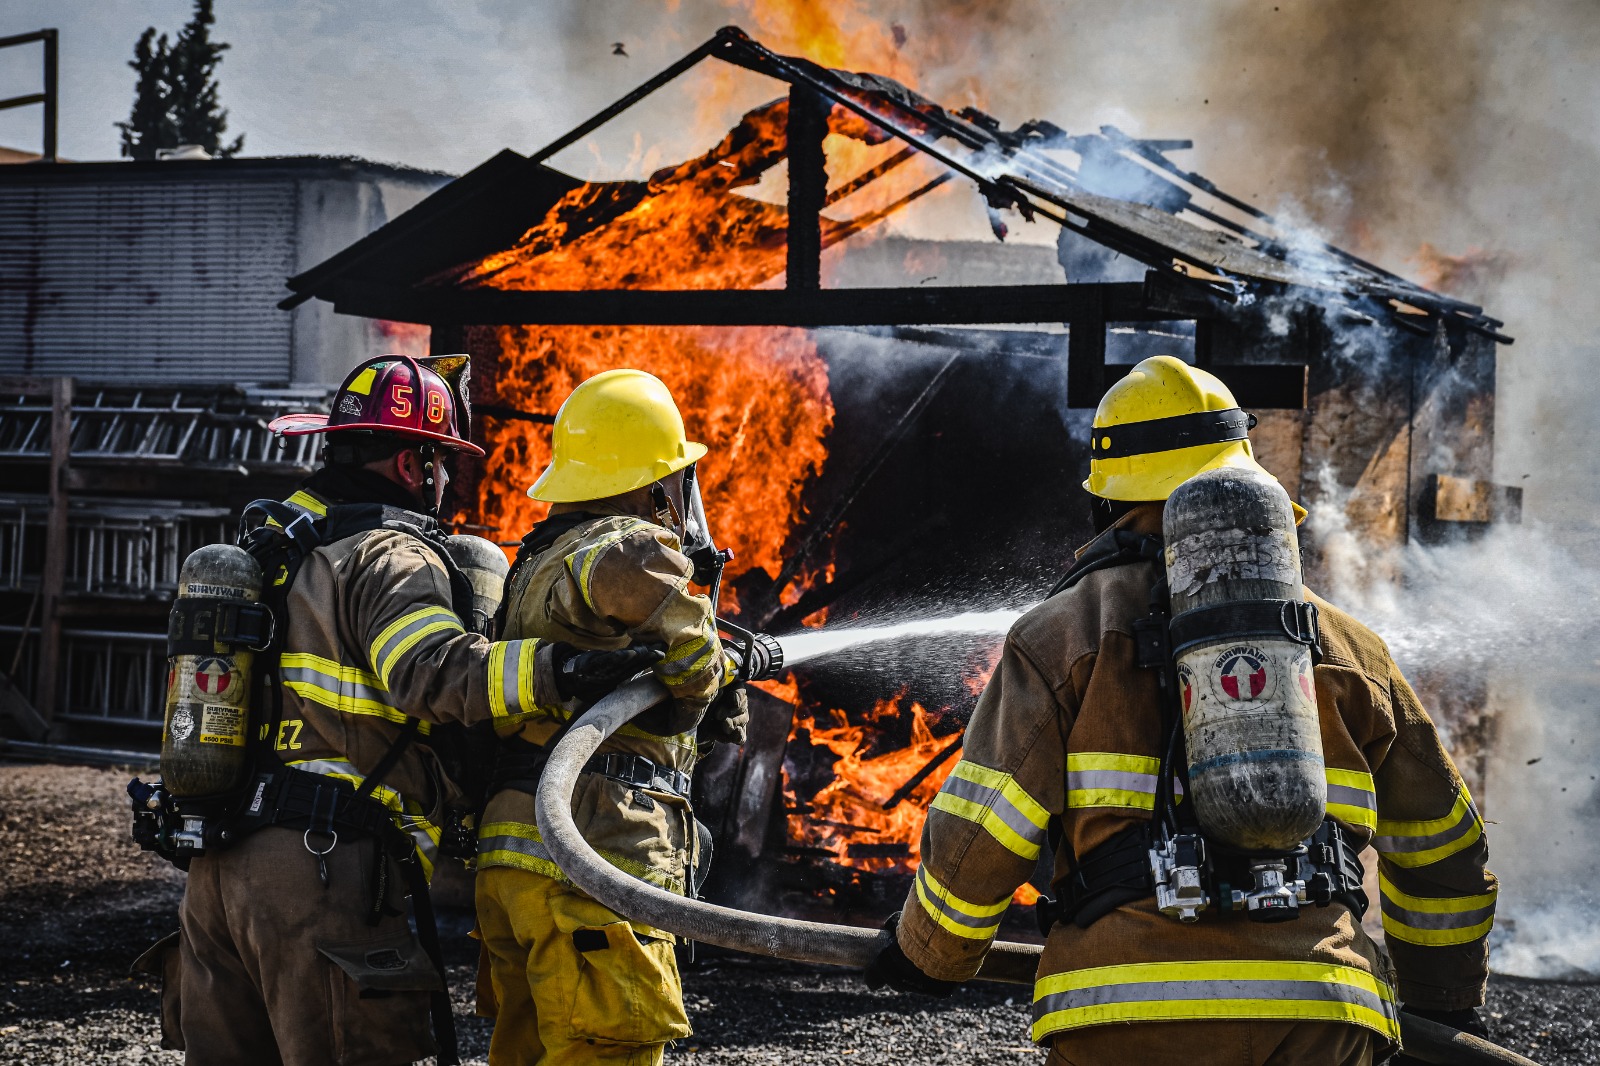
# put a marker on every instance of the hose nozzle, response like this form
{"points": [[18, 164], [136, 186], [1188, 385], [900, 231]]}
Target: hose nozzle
{"points": [[759, 655]]}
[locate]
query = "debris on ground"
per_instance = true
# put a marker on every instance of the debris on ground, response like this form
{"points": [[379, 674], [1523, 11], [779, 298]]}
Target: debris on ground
{"points": [[80, 902]]}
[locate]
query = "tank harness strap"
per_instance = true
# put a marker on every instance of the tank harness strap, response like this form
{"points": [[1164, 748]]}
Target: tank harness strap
{"points": [[1242, 620], [639, 772], [1114, 547], [1118, 872], [519, 765], [1114, 873]]}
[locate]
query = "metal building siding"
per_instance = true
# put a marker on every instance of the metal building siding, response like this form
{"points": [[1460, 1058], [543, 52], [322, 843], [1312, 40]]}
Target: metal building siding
{"points": [[159, 280]]}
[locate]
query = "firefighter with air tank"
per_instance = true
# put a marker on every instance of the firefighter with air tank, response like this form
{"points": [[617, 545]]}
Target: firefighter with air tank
{"points": [[1207, 747], [323, 671], [610, 568]]}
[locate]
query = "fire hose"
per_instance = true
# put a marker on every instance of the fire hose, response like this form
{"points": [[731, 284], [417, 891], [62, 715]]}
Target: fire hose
{"points": [[812, 942]]}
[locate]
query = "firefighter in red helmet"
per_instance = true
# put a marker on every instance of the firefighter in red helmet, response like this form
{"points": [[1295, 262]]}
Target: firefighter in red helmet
{"points": [[294, 944]]}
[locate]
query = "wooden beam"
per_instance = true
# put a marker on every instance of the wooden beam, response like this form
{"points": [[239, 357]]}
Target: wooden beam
{"points": [[808, 186], [933, 306], [1086, 356], [53, 580]]}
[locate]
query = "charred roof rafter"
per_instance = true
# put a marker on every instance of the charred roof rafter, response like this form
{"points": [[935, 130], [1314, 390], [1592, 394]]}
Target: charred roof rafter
{"points": [[1213, 268]]}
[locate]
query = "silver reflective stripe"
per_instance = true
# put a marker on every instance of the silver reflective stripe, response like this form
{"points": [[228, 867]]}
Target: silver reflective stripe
{"points": [[435, 616], [521, 845], [346, 689], [932, 893], [1435, 919], [1352, 797], [510, 677], [1117, 781], [1221, 989], [1404, 844], [995, 801]]}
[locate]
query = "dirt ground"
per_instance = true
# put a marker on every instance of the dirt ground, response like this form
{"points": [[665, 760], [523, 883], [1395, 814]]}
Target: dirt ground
{"points": [[79, 901]]}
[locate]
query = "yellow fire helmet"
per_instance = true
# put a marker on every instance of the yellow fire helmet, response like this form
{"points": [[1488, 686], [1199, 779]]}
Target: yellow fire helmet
{"points": [[1160, 426], [617, 432]]}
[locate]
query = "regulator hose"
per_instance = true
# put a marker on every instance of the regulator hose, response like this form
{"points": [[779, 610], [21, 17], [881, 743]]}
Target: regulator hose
{"points": [[790, 938]]}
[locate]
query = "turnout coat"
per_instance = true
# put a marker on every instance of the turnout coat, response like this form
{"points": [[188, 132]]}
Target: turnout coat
{"points": [[1068, 731]]}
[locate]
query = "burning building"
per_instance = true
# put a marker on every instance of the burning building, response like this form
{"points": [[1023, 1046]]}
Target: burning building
{"points": [[883, 450]]}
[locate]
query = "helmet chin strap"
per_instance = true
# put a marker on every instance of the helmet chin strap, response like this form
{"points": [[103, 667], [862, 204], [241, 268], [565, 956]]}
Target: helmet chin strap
{"points": [[666, 514], [429, 487]]}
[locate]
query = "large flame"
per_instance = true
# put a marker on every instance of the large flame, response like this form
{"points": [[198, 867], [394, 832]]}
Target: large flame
{"points": [[757, 397]]}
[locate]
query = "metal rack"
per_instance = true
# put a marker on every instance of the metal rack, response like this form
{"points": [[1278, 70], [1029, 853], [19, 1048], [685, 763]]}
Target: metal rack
{"points": [[118, 548], [204, 428], [92, 540]]}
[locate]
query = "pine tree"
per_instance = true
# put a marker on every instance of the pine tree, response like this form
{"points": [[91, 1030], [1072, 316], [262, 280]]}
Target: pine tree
{"points": [[149, 126], [195, 110], [176, 96]]}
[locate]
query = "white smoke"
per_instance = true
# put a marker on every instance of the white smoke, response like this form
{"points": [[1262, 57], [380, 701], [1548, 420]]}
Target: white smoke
{"points": [[1516, 607]]}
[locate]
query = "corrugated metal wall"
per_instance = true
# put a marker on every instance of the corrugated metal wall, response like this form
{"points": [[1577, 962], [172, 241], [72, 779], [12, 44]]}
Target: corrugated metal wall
{"points": [[158, 280]]}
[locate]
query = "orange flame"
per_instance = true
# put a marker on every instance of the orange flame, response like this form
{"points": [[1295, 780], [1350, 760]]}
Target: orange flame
{"points": [[759, 399], [850, 811]]}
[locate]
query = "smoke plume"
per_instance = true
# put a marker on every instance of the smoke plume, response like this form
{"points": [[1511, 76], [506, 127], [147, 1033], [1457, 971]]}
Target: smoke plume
{"points": [[1449, 140]]}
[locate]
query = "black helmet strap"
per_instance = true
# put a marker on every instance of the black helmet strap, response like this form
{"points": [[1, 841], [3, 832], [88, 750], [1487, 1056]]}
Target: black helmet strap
{"points": [[1168, 434]]}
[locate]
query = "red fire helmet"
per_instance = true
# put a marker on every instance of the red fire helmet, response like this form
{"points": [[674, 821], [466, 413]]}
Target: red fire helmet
{"points": [[396, 394]]}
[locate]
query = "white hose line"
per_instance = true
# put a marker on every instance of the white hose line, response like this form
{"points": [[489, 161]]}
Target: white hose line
{"points": [[816, 942], [707, 923]]}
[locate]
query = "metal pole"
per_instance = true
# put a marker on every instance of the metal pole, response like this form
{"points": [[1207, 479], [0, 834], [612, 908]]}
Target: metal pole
{"points": [[50, 87]]}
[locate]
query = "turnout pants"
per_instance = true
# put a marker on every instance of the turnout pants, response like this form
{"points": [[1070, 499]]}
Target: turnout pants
{"points": [[572, 982], [275, 968], [1216, 1043]]}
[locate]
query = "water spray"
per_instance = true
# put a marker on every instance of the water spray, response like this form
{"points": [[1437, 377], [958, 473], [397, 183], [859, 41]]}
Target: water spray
{"points": [[819, 643]]}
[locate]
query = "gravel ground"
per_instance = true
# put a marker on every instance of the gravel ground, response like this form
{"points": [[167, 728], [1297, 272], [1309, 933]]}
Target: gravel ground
{"points": [[80, 901]]}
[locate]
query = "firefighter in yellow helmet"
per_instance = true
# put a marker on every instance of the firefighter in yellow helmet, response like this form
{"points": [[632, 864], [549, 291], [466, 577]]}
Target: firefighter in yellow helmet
{"points": [[609, 568], [1066, 745]]}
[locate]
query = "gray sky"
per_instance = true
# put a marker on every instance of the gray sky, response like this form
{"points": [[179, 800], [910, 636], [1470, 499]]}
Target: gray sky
{"points": [[432, 83], [1457, 123]]}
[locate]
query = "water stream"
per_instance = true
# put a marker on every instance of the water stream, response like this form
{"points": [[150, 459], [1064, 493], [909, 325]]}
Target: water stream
{"points": [[815, 644]]}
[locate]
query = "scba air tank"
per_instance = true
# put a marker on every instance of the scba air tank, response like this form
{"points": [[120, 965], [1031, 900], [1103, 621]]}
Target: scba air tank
{"points": [[1242, 636], [485, 566], [207, 724]]}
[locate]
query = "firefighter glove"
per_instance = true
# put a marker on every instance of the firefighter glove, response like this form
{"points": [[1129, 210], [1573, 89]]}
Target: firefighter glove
{"points": [[893, 969], [1466, 1020], [587, 676], [727, 720]]}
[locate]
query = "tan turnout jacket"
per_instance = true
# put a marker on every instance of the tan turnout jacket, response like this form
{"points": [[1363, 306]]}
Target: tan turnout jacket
{"points": [[374, 639], [1068, 729], [608, 582]]}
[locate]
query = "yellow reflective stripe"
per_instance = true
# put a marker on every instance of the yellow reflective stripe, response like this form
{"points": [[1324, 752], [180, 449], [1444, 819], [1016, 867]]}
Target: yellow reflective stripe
{"points": [[1170, 991], [1420, 843], [342, 688], [972, 921], [1435, 921], [401, 635], [519, 845], [591, 556], [683, 651], [1109, 760], [307, 502], [1352, 798], [497, 688], [1111, 779], [685, 675], [511, 667], [994, 801]]}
